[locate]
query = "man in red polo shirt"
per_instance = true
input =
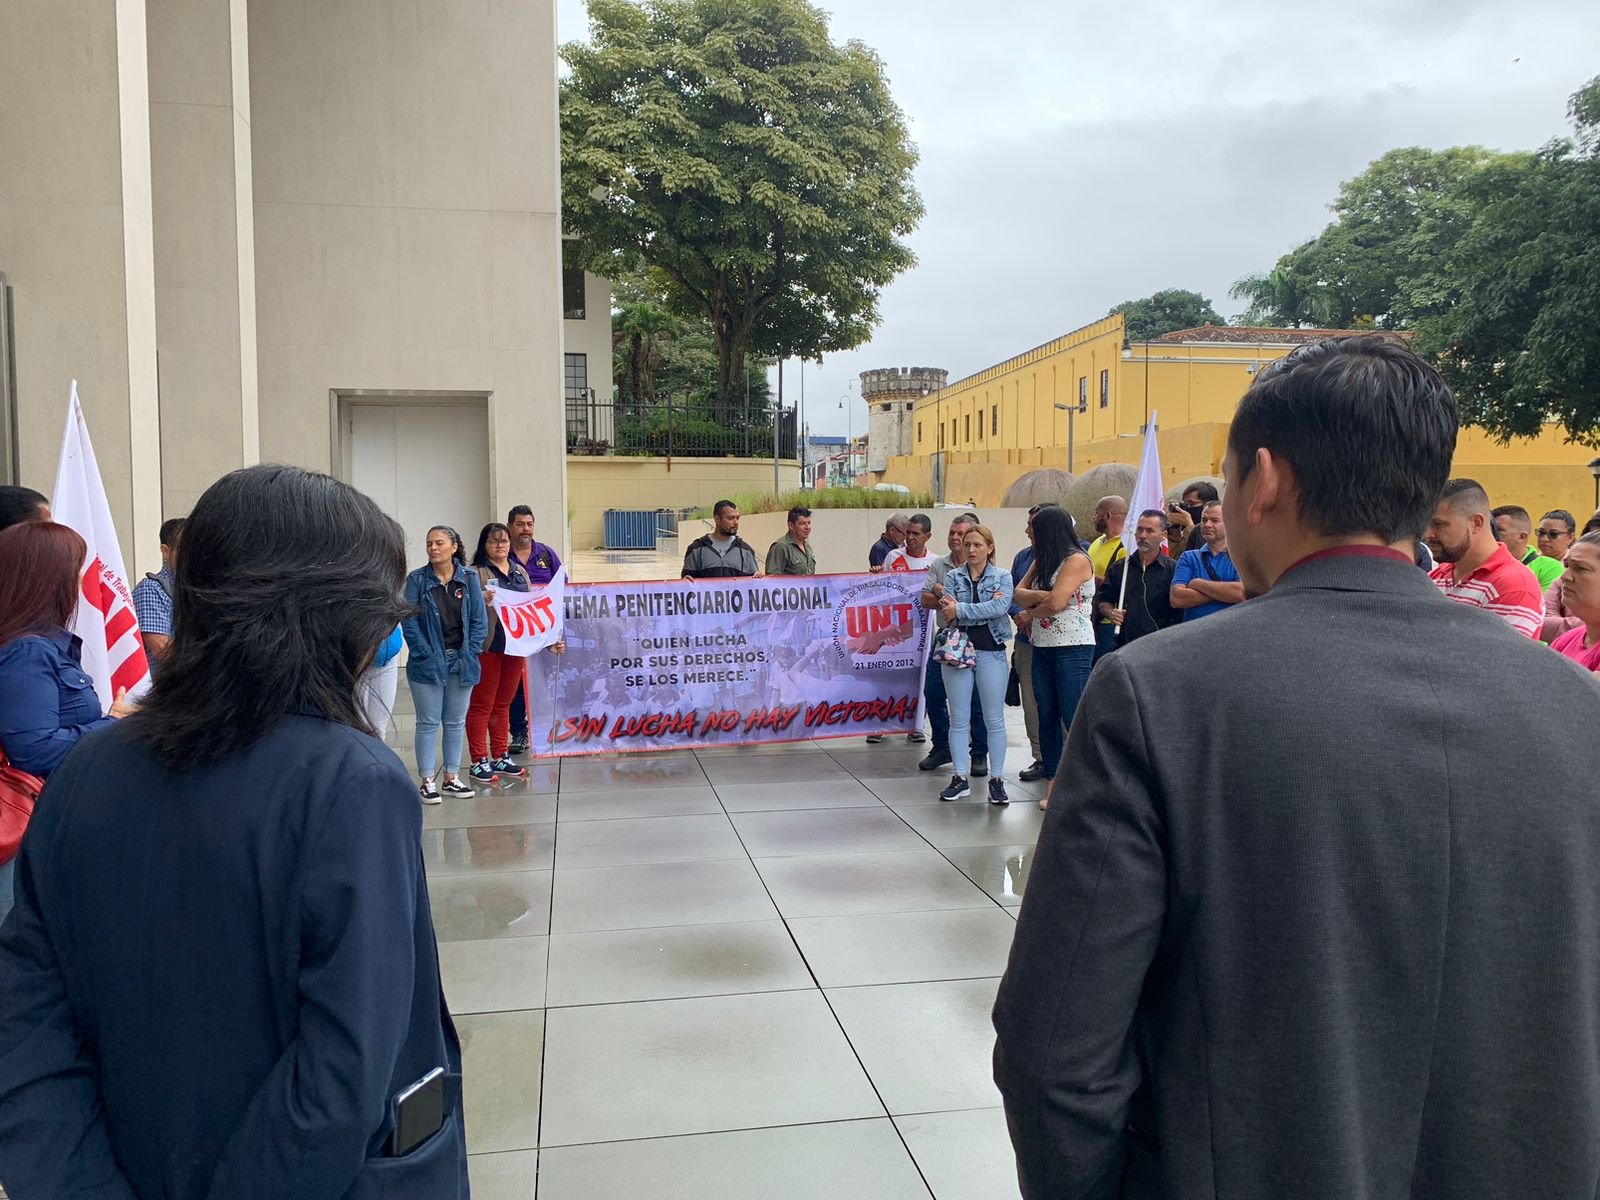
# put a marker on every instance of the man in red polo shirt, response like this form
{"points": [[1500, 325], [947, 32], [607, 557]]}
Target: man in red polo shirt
{"points": [[1475, 569]]}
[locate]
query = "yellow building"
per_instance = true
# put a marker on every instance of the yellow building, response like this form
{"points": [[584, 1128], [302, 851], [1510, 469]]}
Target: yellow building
{"points": [[1084, 399]]}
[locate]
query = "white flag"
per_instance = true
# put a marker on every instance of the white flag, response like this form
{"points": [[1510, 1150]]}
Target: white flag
{"points": [[1147, 491], [533, 620], [113, 651]]}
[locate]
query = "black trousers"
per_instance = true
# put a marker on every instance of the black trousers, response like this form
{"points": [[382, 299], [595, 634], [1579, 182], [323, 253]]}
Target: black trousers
{"points": [[519, 710]]}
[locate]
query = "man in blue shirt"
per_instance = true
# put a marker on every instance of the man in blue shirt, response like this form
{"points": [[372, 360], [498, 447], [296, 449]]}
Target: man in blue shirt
{"points": [[152, 598], [894, 536], [1206, 580]]}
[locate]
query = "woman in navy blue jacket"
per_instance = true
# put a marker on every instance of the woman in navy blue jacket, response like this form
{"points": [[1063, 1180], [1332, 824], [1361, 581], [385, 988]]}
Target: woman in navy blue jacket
{"points": [[445, 632], [47, 702], [221, 969]]}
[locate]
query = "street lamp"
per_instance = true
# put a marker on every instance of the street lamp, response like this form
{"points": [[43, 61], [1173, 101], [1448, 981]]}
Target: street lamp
{"points": [[849, 439], [1594, 469]]}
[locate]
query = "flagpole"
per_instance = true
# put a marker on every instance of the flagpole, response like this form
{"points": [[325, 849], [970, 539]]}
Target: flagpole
{"points": [[1149, 463]]}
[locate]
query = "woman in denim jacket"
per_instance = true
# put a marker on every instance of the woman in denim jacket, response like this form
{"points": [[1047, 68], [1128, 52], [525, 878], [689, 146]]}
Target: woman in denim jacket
{"points": [[977, 600], [445, 634]]}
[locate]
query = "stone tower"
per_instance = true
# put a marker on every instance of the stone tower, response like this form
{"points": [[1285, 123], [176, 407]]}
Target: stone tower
{"points": [[890, 395]]}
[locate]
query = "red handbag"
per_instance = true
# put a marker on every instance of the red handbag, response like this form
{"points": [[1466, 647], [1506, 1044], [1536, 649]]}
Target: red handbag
{"points": [[19, 792]]}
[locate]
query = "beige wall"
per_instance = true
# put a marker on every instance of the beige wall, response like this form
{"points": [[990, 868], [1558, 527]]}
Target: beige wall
{"points": [[76, 245], [592, 335], [407, 233], [596, 484], [204, 243]]}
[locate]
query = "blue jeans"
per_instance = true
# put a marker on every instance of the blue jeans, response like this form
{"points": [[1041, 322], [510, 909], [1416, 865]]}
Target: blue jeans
{"points": [[1060, 673], [441, 704], [938, 706], [987, 680]]}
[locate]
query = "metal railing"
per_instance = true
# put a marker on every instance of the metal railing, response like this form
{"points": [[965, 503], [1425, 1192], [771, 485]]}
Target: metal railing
{"points": [[675, 427]]}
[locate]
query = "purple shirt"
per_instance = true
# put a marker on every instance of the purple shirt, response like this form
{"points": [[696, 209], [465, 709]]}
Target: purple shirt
{"points": [[541, 564]]}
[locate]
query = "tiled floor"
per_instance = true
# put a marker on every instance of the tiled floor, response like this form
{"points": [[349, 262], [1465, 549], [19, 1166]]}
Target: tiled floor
{"points": [[761, 973]]}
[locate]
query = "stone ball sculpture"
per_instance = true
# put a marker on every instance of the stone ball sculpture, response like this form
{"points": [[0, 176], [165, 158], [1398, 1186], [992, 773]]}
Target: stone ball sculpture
{"points": [[1108, 479], [1044, 486]]}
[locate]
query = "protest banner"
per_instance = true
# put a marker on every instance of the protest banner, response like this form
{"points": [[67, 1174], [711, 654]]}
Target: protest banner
{"points": [[532, 620], [673, 665]]}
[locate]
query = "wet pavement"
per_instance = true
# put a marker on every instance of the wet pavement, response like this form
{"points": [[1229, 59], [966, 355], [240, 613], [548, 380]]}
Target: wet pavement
{"points": [[735, 973]]}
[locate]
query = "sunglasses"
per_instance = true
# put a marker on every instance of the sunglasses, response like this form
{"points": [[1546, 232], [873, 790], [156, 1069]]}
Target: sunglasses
{"points": [[1553, 533], [1177, 529]]}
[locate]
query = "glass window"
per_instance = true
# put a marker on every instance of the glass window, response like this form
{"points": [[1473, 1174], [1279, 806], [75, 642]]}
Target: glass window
{"points": [[994, 421], [1105, 389], [577, 390], [1083, 393], [572, 305]]}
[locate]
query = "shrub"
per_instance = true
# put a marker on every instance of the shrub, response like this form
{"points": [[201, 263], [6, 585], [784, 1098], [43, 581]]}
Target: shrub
{"points": [[821, 498]]}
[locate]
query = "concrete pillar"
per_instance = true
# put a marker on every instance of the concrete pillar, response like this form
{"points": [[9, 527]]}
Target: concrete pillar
{"points": [[204, 243], [76, 244]]}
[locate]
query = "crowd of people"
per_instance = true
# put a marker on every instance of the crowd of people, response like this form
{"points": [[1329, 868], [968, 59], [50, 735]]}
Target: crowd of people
{"points": [[1073, 602], [467, 692], [1324, 894]]}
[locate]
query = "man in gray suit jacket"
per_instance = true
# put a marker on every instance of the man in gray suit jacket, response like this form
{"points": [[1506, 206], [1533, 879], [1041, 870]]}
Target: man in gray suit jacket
{"points": [[1323, 938]]}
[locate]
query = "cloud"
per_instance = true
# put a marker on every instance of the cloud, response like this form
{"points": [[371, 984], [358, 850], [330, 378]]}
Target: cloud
{"points": [[1076, 156]]}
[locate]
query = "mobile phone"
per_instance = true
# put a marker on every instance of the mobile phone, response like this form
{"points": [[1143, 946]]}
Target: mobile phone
{"points": [[418, 1113]]}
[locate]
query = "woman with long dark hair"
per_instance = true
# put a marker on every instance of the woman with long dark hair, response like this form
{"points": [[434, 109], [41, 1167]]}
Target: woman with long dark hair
{"points": [[1058, 593], [221, 969], [46, 701], [489, 713], [445, 632]]}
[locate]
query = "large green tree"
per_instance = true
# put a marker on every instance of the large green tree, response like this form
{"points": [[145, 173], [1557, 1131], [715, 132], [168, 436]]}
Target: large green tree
{"points": [[1166, 311], [1521, 342], [760, 170], [1380, 261]]}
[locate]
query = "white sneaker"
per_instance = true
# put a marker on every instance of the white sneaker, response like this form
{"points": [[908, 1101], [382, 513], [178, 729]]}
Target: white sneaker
{"points": [[429, 793], [454, 786]]}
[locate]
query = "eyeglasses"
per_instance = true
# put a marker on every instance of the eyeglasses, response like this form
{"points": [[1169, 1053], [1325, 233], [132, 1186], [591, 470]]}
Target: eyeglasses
{"points": [[1553, 533], [1177, 529]]}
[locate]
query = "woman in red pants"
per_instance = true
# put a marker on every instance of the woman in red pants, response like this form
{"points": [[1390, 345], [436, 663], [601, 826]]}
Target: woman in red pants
{"points": [[489, 714]]}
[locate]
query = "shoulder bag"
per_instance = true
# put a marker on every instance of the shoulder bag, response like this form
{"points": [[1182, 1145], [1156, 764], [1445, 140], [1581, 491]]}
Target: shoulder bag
{"points": [[19, 792], [952, 647]]}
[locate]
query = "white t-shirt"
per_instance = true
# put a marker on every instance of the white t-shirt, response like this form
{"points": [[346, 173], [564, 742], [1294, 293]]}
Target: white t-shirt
{"points": [[1073, 625], [903, 563]]}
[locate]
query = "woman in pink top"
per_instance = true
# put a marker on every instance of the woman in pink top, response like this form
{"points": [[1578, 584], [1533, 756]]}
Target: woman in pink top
{"points": [[1580, 593]]}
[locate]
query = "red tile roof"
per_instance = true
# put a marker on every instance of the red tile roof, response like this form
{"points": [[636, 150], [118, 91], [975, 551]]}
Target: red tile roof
{"points": [[1258, 335]]}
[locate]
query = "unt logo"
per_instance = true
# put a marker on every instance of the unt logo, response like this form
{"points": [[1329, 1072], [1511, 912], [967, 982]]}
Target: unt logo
{"points": [[523, 620], [860, 620]]}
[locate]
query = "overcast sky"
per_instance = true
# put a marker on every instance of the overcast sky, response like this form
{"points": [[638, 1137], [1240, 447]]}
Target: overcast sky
{"points": [[1074, 156]]}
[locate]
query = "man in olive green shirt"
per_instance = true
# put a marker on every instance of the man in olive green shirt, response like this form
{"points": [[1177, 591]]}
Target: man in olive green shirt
{"points": [[791, 554]]}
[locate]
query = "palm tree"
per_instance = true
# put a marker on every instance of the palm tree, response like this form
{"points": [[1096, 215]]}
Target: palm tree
{"points": [[638, 329]]}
